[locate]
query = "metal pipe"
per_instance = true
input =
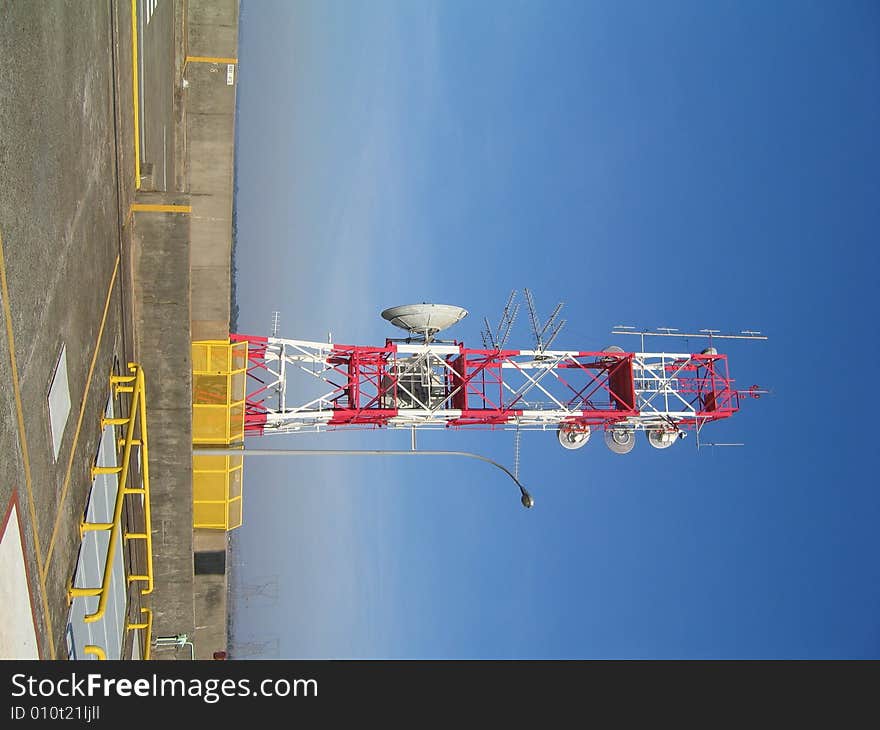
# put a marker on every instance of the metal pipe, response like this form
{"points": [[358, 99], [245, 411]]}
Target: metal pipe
{"points": [[176, 641], [147, 625], [526, 498]]}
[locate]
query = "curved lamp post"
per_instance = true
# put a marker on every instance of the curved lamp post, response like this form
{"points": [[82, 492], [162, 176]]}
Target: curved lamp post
{"points": [[525, 499]]}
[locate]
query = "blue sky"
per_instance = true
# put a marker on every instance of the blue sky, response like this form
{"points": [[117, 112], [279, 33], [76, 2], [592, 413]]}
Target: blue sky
{"points": [[682, 164]]}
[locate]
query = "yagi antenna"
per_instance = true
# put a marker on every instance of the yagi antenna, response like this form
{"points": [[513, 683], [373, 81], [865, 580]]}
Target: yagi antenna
{"points": [[673, 332], [549, 324], [556, 331], [552, 326], [498, 339], [508, 317], [486, 334]]}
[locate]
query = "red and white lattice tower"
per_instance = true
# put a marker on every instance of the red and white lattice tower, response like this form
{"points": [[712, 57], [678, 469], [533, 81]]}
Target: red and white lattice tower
{"points": [[424, 383]]}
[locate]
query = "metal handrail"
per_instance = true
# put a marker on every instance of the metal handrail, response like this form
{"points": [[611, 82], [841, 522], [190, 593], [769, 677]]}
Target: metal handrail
{"points": [[147, 534], [147, 625], [133, 384], [95, 651]]}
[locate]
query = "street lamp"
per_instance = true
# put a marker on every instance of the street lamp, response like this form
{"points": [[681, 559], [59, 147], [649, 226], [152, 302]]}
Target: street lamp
{"points": [[525, 499]]}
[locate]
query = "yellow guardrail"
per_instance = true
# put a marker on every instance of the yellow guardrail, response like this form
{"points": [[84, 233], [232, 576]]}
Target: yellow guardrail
{"points": [[95, 651], [147, 626], [135, 422], [219, 382]]}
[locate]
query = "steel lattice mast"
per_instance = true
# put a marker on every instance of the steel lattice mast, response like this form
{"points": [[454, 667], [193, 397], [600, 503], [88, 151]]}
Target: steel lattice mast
{"points": [[435, 385]]}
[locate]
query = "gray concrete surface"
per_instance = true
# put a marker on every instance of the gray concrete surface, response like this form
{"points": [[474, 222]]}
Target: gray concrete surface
{"points": [[156, 55], [67, 185], [160, 245], [210, 128], [60, 220], [212, 28], [212, 31], [210, 597]]}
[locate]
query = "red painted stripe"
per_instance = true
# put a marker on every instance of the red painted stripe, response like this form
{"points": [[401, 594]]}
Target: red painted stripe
{"points": [[234, 337]]}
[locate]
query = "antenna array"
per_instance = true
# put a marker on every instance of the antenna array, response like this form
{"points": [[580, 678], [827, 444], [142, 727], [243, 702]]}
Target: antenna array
{"points": [[543, 334], [551, 327], [498, 339]]}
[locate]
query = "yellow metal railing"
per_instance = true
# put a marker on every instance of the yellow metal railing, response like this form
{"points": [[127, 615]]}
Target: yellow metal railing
{"points": [[95, 651], [217, 493], [219, 379], [147, 626], [134, 422]]}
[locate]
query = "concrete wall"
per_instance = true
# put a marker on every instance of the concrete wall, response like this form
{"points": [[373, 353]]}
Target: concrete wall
{"points": [[160, 259], [210, 598], [212, 32], [212, 28], [209, 128]]}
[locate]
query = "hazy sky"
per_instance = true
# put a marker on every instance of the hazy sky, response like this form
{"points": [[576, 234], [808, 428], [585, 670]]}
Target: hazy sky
{"points": [[685, 164]]}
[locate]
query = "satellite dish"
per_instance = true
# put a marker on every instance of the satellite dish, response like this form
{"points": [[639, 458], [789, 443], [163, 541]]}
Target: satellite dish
{"points": [[424, 319], [661, 438], [611, 360], [573, 436], [620, 440]]}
